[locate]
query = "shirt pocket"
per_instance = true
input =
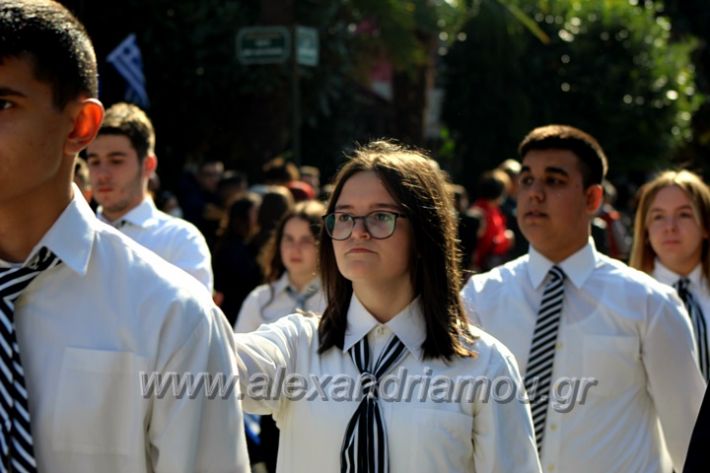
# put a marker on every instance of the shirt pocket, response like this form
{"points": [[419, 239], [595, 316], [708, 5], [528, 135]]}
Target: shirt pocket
{"points": [[99, 408], [443, 439], [613, 361]]}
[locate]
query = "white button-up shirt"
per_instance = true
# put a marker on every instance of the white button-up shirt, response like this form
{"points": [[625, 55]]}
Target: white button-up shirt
{"points": [[698, 285], [175, 240], [426, 432], [269, 302], [88, 328], [618, 326]]}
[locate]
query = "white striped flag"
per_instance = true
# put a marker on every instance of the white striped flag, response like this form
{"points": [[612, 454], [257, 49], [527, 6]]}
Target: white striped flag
{"points": [[126, 58]]}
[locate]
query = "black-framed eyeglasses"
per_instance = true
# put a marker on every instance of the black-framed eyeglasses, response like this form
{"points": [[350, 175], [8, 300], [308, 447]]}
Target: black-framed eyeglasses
{"points": [[380, 224]]}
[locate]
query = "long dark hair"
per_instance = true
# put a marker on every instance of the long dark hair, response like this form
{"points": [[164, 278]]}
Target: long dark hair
{"points": [[418, 185], [270, 259]]}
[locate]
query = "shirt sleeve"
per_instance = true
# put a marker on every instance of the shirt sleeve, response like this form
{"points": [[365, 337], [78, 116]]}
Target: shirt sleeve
{"points": [[193, 256], [265, 358], [674, 381], [249, 317], [201, 429], [503, 435], [468, 297]]}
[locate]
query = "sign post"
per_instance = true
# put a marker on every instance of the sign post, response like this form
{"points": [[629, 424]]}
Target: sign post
{"points": [[276, 45], [263, 45]]}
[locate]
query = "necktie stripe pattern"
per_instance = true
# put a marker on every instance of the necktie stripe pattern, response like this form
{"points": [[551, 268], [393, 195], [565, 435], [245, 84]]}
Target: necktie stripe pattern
{"points": [[697, 320], [16, 443], [538, 377], [365, 448], [301, 299]]}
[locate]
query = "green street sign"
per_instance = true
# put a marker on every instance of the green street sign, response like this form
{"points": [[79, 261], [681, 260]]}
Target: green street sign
{"points": [[307, 46], [263, 45]]}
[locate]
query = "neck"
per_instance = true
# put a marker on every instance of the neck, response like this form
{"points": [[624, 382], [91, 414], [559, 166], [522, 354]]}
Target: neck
{"points": [[299, 281], [113, 216], [557, 255], [26, 219], [682, 268], [384, 301]]}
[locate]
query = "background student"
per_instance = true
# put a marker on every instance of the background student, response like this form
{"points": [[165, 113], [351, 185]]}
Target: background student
{"points": [[567, 311], [671, 243]]}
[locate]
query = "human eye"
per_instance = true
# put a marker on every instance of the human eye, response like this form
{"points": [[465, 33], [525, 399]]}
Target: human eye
{"points": [[554, 181], [526, 180], [343, 217], [5, 104], [655, 217], [686, 213], [381, 217]]}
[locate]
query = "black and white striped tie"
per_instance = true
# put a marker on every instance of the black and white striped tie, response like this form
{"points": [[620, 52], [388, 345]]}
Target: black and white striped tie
{"points": [[365, 447], [697, 320], [16, 432], [538, 377]]}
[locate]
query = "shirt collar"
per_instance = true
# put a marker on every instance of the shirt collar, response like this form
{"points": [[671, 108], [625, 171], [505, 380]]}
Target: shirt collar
{"points": [[577, 268], [408, 325], [282, 283], [665, 275], [72, 235], [143, 215]]}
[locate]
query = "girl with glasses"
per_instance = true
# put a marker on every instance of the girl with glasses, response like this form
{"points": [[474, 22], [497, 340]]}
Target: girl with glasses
{"points": [[671, 243], [377, 382]]}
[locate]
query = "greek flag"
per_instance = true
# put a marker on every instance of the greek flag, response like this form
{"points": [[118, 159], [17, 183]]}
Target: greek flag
{"points": [[126, 58]]}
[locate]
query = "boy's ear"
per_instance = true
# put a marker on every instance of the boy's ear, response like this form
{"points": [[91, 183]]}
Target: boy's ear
{"points": [[150, 164], [594, 194], [87, 121]]}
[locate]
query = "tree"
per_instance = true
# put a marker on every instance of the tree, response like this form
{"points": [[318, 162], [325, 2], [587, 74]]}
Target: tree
{"points": [[608, 68]]}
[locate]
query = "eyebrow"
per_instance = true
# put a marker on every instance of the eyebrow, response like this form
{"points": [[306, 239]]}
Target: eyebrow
{"points": [[682, 207], [373, 206], [548, 169], [112, 154], [9, 92]]}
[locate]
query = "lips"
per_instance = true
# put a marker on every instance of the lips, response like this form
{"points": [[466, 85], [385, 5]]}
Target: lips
{"points": [[359, 251], [671, 242], [535, 214]]}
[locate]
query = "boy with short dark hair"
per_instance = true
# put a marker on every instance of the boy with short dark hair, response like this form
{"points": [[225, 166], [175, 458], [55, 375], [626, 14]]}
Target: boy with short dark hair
{"points": [[87, 316], [579, 321]]}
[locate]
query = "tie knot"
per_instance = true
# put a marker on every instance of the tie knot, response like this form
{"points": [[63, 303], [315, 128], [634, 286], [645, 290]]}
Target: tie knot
{"points": [[556, 273], [42, 260], [682, 284]]}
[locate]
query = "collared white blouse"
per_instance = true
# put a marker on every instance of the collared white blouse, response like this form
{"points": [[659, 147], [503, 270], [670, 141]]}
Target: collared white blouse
{"points": [[269, 302], [426, 432]]}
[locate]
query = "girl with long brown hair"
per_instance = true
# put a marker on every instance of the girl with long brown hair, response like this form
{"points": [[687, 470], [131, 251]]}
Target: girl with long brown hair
{"points": [[382, 366]]}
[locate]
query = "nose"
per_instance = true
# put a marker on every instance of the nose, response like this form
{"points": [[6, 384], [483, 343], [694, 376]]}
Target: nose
{"points": [[99, 173], [672, 223], [535, 191], [359, 229]]}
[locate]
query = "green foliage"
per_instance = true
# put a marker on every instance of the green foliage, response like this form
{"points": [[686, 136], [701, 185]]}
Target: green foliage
{"points": [[609, 68]]}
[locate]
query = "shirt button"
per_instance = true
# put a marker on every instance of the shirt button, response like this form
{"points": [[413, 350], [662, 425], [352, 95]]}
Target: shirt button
{"points": [[553, 427], [558, 346], [550, 467], [380, 330]]}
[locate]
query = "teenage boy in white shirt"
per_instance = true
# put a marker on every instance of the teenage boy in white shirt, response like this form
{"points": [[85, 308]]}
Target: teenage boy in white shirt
{"points": [[121, 161], [621, 339], [86, 311]]}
